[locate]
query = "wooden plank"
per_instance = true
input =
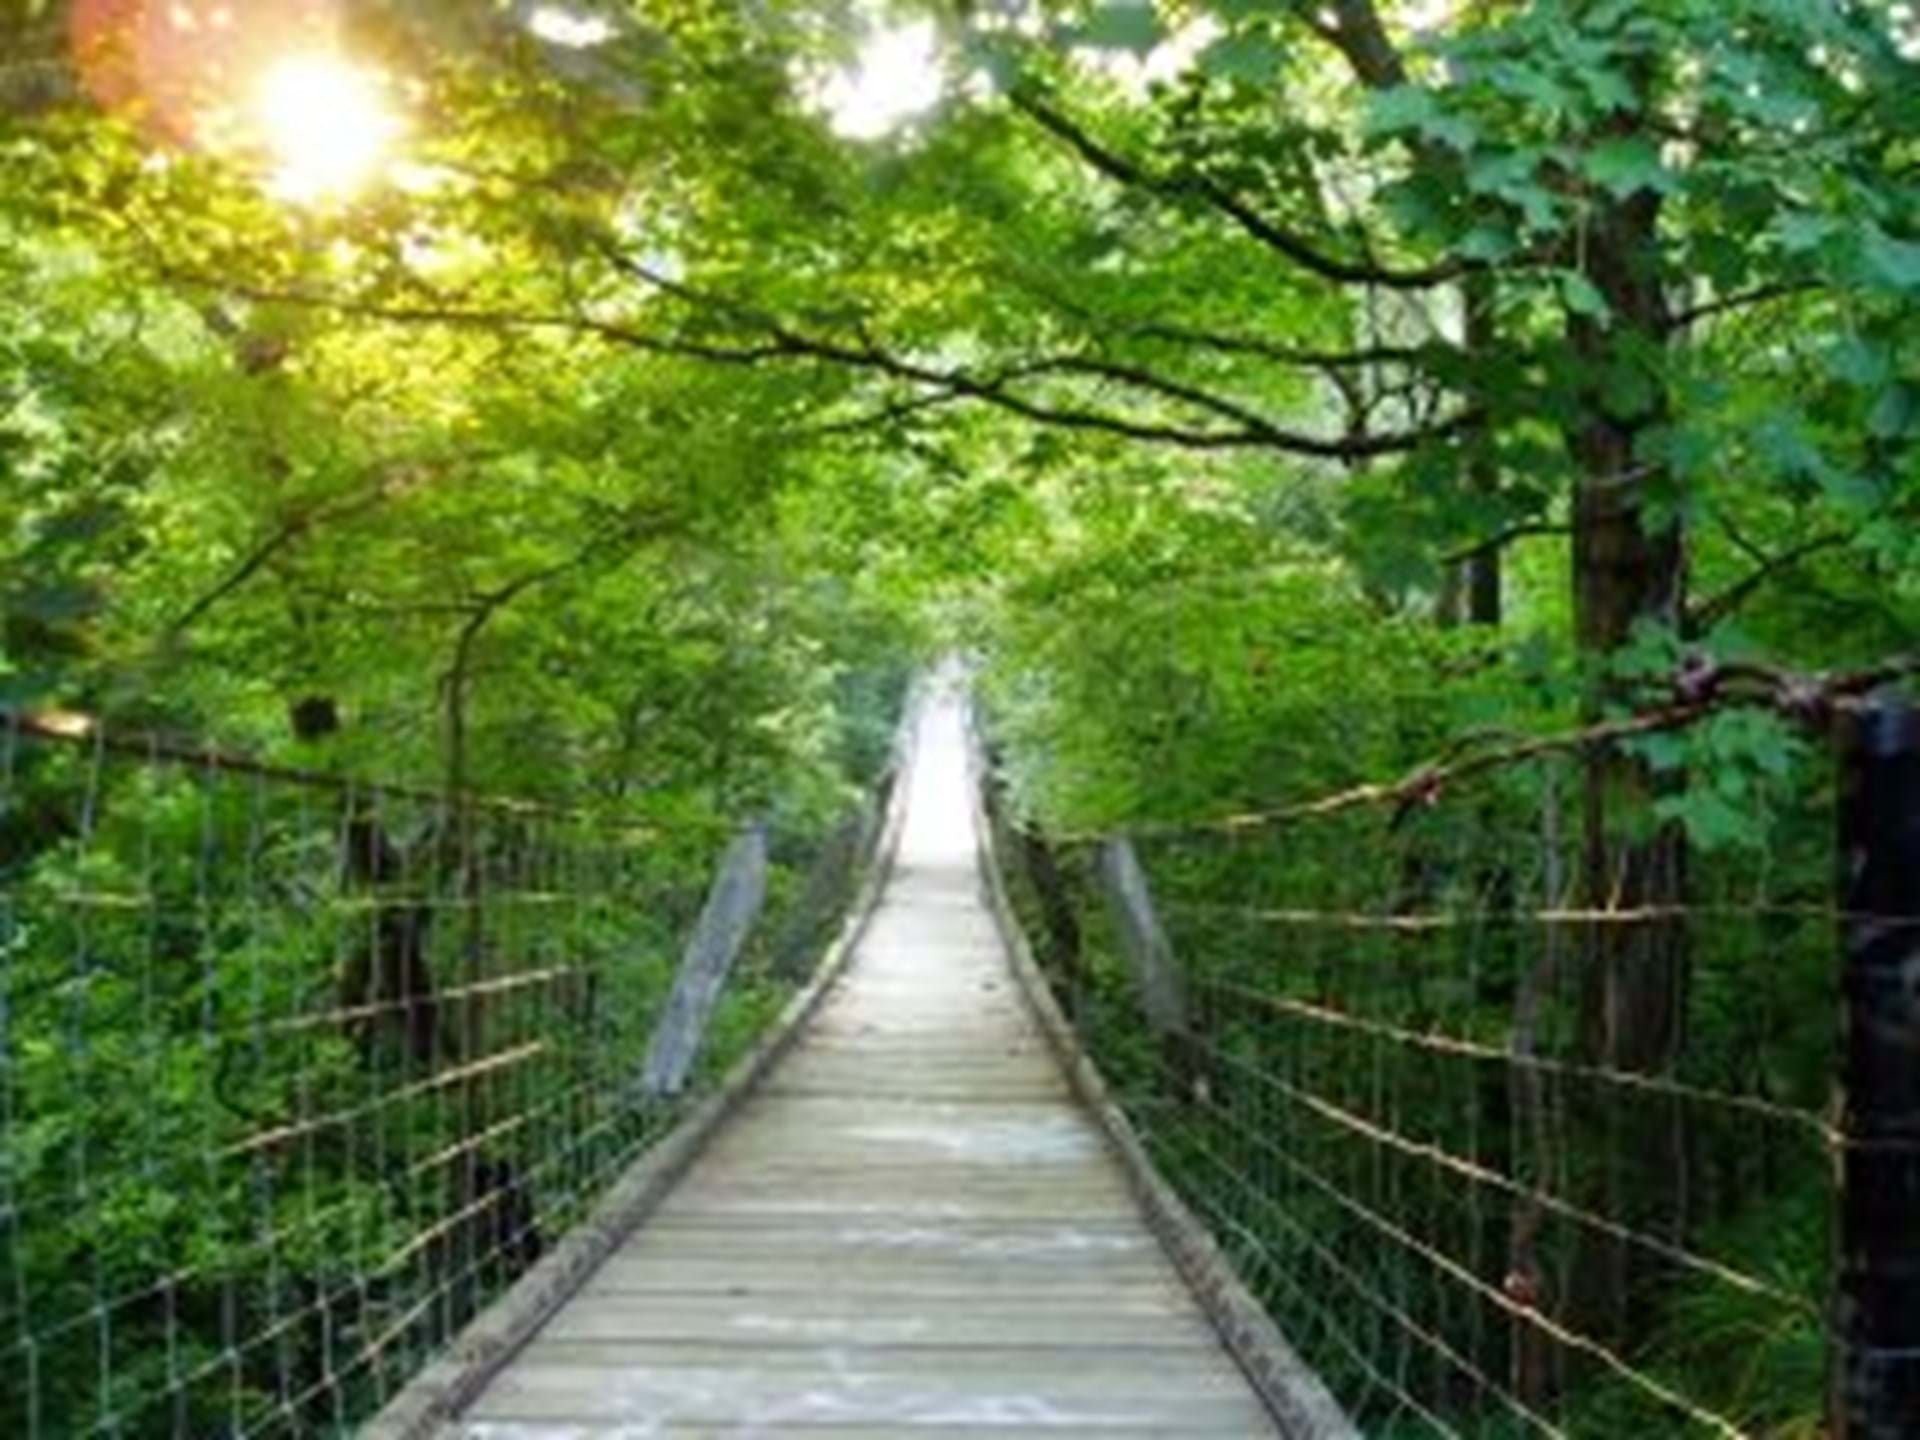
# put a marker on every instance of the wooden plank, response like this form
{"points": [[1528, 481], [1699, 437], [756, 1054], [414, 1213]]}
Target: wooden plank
{"points": [[849, 1194], [801, 1276], [846, 1317], [979, 1366], [1041, 1242], [1146, 1429], [851, 1387]]}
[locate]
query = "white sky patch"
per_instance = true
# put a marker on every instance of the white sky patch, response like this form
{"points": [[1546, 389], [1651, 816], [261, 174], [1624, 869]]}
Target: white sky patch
{"points": [[1906, 29], [1428, 15], [1167, 61], [441, 253], [558, 26], [669, 265], [410, 177], [896, 76]]}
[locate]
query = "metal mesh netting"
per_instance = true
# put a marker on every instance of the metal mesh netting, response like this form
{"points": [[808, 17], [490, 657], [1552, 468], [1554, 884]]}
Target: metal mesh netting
{"points": [[1501, 1157], [297, 1073]]}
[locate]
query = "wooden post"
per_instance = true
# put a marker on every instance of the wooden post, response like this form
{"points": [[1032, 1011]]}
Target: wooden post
{"points": [[733, 904], [1156, 970], [1876, 1325]]}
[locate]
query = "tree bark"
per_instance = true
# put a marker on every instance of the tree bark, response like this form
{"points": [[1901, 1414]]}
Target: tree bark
{"points": [[1482, 578], [1629, 568]]}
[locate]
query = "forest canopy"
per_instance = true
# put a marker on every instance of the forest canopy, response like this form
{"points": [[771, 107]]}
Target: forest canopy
{"points": [[582, 362]]}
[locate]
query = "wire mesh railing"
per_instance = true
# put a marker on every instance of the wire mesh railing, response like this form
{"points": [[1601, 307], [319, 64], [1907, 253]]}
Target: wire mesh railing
{"points": [[1516, 1134], [298, 1072]]}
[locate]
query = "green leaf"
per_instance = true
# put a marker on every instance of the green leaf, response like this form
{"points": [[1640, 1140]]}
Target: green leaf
{"points": [[1410, 108], [1858, 361], [1251, 56], [84, 523], [1457, 132], [1499, 172], [21, 688], [1850, 490], [1893, 413], [1687, 450], [1627, 166], [56, 602], [1121, 26], [1403, 108], [1891, 260], [1801, 230], [1537, 87], [1001, 57], [1514, 176], [1609, 88], [1488, 243], [1627, 391], [1710, 820], [1581, 296], [1665, 752]]}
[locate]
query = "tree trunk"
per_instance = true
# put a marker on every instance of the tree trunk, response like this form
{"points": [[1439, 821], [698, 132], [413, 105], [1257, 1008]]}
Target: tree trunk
{"points": [[1481, 577], [1628, 569]]}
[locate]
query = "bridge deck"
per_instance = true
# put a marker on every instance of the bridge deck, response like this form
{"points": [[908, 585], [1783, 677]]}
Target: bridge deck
{"points": [[911, 1230]]}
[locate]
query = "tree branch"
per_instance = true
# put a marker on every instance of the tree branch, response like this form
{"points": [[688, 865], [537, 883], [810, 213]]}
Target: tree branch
{"points": [[892, 412], [1251, 430], [1265, 349], [780, 342], [1712, 609], [486, 318], [258, 559], [1500, 539], [479, 614], [1696, 692], [1357, 33], [1760, 295], [1275, 237]]}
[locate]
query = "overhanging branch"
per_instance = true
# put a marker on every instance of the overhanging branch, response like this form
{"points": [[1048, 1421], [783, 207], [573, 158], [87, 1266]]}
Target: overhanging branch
{"points": [[1188, 185], [1262, 348], [777, 342]]}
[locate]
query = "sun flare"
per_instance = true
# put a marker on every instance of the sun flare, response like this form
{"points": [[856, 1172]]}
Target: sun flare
{"points": [[326, 125]]}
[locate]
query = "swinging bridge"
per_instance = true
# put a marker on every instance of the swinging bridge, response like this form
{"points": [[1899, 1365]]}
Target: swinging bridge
{"points": [[420, 1150]]}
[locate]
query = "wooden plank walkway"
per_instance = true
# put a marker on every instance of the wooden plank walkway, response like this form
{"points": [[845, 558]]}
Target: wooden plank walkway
{"points": [[912, 1230]]}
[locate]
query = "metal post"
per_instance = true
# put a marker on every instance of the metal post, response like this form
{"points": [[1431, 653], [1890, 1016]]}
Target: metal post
{"points": [[1876, 1325]]}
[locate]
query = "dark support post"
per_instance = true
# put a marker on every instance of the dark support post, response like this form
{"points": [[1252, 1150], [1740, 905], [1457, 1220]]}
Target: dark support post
{"points": [[1876, 1327]]}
